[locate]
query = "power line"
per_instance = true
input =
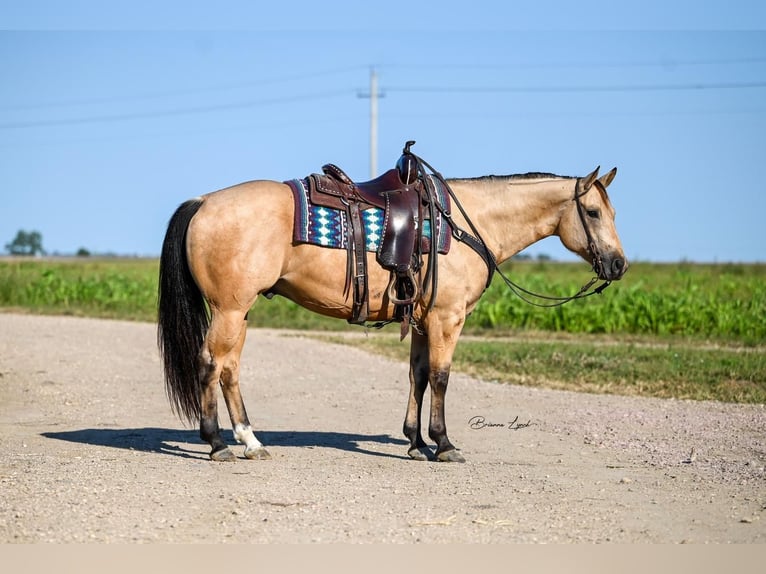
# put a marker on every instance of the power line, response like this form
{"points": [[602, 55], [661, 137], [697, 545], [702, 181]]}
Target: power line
{"points": [[186, 130], [169, 113], [670, 63], [665, 63], [400, 89], [179, 92], [562, 89], [574, 113]]}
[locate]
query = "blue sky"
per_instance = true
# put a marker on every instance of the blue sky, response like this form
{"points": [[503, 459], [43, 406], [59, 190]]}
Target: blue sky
{"points": [[109, 121]]}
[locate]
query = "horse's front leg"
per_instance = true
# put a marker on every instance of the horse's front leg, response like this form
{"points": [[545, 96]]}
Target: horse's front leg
{"points": [[418, 383], [441, 348], [437, 427]]}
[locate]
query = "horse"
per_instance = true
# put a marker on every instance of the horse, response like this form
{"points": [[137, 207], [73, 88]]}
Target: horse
{"points": [[223, 250]]}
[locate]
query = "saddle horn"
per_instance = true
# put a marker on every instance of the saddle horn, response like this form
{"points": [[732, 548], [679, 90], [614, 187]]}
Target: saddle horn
{"points": [[407, 165]]}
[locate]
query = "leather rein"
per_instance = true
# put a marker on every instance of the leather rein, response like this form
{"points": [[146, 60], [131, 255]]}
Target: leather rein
{"points": [[475, 241], [596, 263]]}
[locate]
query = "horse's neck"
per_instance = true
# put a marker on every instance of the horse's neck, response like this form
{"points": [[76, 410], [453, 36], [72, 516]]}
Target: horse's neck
{"points": [[511, 214]]}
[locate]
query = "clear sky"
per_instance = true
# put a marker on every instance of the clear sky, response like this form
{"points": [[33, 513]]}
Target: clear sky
{"points": [[109, 120]]}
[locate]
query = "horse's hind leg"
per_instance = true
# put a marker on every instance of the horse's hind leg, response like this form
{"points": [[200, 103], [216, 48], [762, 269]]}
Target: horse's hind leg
{"points": [[418, 382], [220, 360], [243, 432], [209, 431]]}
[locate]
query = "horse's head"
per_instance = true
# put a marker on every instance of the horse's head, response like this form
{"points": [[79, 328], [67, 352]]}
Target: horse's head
{"points": [[587, 227]]}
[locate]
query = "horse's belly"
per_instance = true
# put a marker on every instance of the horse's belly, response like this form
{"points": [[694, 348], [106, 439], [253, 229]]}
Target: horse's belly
{"points": [[316, 278]]}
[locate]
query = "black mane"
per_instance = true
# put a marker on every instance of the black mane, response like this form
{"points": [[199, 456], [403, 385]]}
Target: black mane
{"points": [[530, 175]]}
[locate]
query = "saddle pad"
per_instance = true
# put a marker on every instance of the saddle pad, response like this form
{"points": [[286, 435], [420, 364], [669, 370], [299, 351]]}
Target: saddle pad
{"points": [[328, 227]]}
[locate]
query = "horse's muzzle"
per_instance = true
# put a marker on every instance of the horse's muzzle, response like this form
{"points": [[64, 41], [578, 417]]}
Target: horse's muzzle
{"points": [[613, 267]]}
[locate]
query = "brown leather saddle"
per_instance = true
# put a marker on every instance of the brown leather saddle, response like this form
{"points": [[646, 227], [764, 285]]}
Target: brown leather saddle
{"points": [[399, 192]]}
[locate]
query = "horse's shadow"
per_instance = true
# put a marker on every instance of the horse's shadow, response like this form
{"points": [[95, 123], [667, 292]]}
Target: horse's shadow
{"points": [[166, 441]]}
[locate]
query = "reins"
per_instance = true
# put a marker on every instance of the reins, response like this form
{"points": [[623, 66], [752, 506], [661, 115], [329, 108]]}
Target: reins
{"points": [[596, 262], [475, 241]]}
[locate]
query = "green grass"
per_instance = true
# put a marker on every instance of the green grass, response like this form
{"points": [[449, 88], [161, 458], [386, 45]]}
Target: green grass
{"points": [[718, 302], [600, 365], [683, 330], [109, 288], [117, 288]]}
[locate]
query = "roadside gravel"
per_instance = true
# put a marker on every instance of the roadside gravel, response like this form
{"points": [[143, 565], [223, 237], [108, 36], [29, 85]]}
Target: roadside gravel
{"points": [[90, 452]]}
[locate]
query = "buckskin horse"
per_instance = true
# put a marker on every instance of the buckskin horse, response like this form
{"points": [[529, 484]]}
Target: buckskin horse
{"points": [[224, 249]]}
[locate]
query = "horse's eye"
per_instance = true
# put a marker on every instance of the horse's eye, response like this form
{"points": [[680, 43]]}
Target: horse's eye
{"points": [[594, 213]]}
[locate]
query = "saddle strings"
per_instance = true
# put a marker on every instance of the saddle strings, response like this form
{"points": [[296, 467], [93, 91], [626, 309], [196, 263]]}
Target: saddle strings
{"points": [[432, 269], [477, 241]]}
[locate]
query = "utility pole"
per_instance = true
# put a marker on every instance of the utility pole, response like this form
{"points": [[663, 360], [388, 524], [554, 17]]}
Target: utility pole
{"points": [[373, 95], [373, 123]]}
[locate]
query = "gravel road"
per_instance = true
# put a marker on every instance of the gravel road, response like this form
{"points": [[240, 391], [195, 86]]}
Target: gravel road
{"points": [[90, 452]]}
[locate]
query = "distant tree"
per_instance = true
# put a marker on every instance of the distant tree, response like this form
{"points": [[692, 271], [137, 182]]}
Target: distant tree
{"points": [[82, 252], [26, 243]]}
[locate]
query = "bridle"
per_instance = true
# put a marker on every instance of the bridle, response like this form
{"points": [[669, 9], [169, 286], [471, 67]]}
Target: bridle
{"points": [[596, 262], [595, 254]]}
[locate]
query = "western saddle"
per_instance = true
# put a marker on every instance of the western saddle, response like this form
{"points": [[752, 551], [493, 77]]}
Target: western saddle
{"points": [[402, 195]]}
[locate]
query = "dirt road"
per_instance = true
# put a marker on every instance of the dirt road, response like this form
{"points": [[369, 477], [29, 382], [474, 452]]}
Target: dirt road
{"points": [[90, 452]]}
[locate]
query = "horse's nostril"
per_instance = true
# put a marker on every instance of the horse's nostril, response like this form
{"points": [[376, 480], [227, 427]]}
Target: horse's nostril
{"points": [[618, 267]]}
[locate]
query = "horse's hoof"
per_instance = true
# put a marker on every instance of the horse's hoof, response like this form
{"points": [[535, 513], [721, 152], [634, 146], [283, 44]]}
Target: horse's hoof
{"points": [[223, 455], [452, 455], [420, 453], [258, 453]]}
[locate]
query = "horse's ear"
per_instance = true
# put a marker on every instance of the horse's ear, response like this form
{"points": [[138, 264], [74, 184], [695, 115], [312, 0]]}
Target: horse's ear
{"points": [[607, 178], [588, 180]]}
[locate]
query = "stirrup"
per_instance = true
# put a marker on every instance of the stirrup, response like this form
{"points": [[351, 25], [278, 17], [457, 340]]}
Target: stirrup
{"points": [[394, 298]]}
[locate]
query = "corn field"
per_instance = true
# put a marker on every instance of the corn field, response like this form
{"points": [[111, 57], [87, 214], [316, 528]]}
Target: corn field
{"points": [[724, 302]]}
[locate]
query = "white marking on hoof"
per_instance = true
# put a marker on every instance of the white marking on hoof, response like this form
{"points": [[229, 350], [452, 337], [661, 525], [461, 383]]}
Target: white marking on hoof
{"points": [[254, 450], [244, 435]]}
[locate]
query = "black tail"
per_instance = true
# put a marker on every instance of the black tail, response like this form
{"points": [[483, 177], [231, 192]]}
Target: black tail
{"points": [[182, 318]]}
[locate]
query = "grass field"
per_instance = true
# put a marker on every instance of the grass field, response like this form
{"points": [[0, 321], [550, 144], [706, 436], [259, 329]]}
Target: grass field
{"points": [[719, 302], [681, 330]]}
